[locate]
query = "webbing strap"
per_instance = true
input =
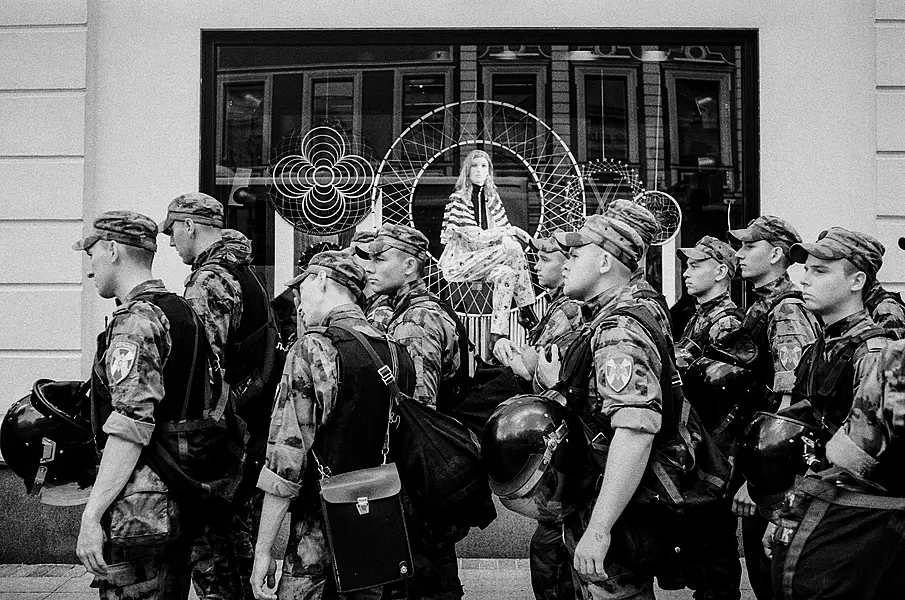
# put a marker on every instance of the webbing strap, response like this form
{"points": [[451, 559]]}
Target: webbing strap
{"points": [[812, 518], [834, 494]]}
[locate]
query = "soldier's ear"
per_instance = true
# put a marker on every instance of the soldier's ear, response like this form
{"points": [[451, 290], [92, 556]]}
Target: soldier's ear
{"points": [[115, 250], [776, 255], [190, 228], [722, 272], [859, 281]]}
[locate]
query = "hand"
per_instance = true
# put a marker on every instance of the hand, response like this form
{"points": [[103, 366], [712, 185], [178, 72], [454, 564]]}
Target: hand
{"points": [[547, 372], [504, 351], [742, 504], [767, 540], [517, 364], [90, 546], [591, 552], [264, 573]]}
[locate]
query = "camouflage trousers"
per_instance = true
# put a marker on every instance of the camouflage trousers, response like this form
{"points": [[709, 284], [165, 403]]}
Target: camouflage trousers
{"points": [[223, 555], [551, 570]]}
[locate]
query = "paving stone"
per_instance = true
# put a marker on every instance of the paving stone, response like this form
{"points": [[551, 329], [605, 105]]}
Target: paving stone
{"points": [[30, 584]]}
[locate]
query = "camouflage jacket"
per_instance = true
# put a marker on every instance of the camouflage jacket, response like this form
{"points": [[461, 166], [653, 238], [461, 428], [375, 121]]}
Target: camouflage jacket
{"points": [[789, 328], [624, 383], [869, 445], [214, 293], [378, 311], [138, 344], [304, 401], [640, 285], [429, 334], [711, 322], [885, 312], [559, 325]]}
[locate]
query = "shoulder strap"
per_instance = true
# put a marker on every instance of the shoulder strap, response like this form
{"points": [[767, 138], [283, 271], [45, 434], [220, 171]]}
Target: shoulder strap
{"points": [[756, 326], [465, 344], [846, 356]]}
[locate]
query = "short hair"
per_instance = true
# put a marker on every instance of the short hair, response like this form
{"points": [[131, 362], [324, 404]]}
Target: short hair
{"points": [[141, 256], [849, 269]]}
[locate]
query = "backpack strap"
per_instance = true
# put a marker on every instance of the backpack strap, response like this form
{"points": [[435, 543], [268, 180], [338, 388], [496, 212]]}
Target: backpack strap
{"points": [[845, 357], [756, 325]]}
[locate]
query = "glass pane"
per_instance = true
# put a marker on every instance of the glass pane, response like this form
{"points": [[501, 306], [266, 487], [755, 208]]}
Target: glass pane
{"points": [[420, 95], [334, 104], [698, 120], [519, 90], [243, 128], [606, 117]]}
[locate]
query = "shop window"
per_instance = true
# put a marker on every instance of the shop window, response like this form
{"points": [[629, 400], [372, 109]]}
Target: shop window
{"points": [[607, 121]]}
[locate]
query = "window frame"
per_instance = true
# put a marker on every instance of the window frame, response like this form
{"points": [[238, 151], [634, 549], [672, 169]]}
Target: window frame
{"points": [[631, 75]]}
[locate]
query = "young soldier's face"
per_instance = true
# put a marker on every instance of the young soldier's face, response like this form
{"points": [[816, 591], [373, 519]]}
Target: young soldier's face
{"points": [[754, 259], [825, 285], [386, 271], [581, 272], [100, 268], [180, 240], [700, 276], [549, 268]]}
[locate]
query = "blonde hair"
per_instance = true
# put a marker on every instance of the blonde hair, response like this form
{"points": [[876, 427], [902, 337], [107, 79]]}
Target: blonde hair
{"points": [[464, 185]]}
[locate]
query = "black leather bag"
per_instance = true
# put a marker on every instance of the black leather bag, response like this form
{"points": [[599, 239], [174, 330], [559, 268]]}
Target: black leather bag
{"points": [[365, 528]]}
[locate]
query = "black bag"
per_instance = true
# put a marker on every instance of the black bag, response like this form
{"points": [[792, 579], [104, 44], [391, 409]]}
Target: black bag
{"points": [[439, 459], [490, 386], [365, 528]]}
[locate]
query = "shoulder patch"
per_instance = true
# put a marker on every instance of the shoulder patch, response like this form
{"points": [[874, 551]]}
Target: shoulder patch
{"points": [[618, 372], [123, 357], [789, 356]]}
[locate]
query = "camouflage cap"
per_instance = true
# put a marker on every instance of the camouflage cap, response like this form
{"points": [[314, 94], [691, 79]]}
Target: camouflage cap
{"points": [[635, 216], [769, 228], [123, 226], [401, 237], [338, 266], [196, 206], [614, 236], [710, 247], [836, 243], [360, 239], [545, 244]]}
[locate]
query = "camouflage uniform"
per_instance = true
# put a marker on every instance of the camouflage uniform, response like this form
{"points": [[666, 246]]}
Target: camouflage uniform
{"points": [[646, 226], [789, 328], [379, 311], [885, 311], [623, 389], [138, 344], [841, 532]]}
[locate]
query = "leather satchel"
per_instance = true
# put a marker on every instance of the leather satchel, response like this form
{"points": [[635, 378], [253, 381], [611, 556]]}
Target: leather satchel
{"points": [[365, 528]]}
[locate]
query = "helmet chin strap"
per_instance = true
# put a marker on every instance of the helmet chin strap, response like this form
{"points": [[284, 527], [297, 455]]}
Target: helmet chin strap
{"points": [[552, 441], [48, 453]]}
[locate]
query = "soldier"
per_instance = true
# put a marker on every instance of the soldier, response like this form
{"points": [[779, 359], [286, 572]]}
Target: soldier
{"points": [[145, 360], [623, 390], [332, 408], [711, 264], [780, 327], [886, 308], [840, 531], [234, 306], [646, 226], [377, 306], [551, 574]]}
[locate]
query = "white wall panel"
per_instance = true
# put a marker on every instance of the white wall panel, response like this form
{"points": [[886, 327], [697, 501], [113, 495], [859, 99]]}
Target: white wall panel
{"points": [[891, 9], [40, 318], [46, 251], [43, 12], [890, 120], [51, 124], [889, 230], [891, 185], [19, 370], [42, 188], [37, 58]]}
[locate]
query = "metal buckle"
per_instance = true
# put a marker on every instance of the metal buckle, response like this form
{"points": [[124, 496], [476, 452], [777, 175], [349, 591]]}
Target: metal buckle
{"points": [[48, 451], [386, 374], [363, 506]]}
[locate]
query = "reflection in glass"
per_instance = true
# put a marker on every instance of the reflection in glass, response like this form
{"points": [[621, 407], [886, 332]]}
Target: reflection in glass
{"points": [[698, 121], [606, 117], [243, 139], [334, 105]]}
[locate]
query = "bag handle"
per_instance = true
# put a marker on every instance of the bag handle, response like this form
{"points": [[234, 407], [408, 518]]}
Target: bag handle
{"points": [[386, 374]]}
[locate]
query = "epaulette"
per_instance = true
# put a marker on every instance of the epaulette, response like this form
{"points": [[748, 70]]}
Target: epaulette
{"points": [[876, 344]]}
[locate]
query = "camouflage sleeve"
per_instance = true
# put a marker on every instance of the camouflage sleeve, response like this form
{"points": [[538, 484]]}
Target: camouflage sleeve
{"points": [[662, 318], [379, 315], [723, 327], [627, 370], [561, 327], [428, 337], [139, 344], [791, 328], [216, 297], [889, 315], [304, 401], [877, 416]]}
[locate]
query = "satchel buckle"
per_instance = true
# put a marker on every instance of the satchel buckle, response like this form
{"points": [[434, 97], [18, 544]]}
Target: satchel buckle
{"points": [[386, 374], [362, 505]]}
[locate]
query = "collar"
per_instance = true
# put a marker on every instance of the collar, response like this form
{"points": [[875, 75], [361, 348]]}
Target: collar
{"points": [[637, 276], [852, 324], [207, 254], [555, 294], [151, 285], [409, 290], [606, 300], [776, 287], [714, 303], [344, 312]]}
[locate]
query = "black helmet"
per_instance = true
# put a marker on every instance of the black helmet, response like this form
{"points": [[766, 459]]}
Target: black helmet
{"points": [[46, 438], [536, 455], [777, 447], [713, 387]]}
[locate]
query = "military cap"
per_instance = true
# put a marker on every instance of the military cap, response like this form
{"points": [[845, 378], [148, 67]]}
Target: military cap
{"points": [[614, 236], [340, 267], [770, 228], [196, 206], [635, 216], [862, 250], [123, 226], [401, 237], [364, 237], [710, 247], [545, 244]]}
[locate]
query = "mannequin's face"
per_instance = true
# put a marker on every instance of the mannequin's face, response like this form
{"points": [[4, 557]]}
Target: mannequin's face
{"points": [[478, 170]]}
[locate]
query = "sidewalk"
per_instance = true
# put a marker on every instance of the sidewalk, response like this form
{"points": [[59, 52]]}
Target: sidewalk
{"points": [[483, 578]]}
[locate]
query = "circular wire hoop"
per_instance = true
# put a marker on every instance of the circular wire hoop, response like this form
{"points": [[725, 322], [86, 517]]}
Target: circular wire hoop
{"points": [[321, 181], [606, 180], [476, 123], [667, 212]]}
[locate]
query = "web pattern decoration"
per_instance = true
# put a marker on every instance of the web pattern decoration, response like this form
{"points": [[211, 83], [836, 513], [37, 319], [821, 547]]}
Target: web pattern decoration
{"points": [[667, 212], [321, 181], [484, 124], [604, 180]]}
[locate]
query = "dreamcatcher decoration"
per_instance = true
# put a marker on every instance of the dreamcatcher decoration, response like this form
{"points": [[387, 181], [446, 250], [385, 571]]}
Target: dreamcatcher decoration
{"points": [[667, 212], [476, 123], [321, 182], [604, 180]]}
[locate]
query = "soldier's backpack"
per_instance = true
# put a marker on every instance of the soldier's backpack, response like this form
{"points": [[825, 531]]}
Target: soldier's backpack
{"points": [[686, 476]]}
